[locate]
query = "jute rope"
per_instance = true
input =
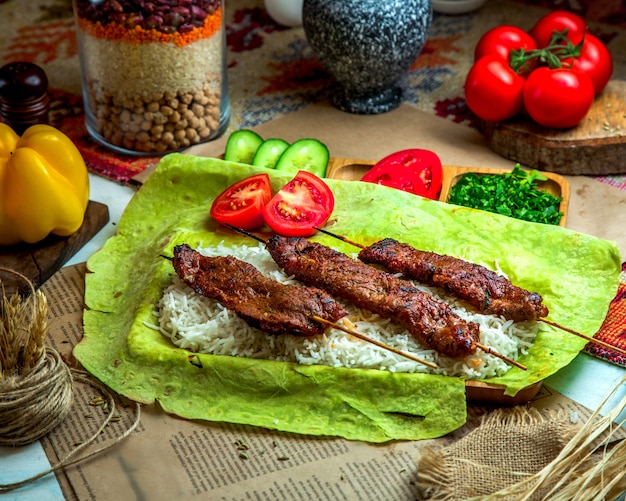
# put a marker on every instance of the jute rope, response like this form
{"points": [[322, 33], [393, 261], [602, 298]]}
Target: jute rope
{"points": [[70, 459], [33, 405], [37, 392]]}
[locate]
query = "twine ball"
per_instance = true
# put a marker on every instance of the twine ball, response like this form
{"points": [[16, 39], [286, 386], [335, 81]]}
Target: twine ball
{"points": [[33, 404]]}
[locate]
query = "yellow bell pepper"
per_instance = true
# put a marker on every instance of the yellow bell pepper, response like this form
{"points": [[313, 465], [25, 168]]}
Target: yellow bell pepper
{"points": [[44, 185]]}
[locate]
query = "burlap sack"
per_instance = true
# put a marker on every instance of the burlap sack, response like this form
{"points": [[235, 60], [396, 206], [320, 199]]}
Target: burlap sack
{"points": [[508, 445]]}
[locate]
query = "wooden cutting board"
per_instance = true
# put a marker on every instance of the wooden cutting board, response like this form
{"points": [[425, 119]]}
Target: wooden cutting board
{"points": [[595, 147], [40, 261]]}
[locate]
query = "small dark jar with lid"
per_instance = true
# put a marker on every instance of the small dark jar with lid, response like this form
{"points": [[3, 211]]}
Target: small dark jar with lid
{"points": [[24, 97]]}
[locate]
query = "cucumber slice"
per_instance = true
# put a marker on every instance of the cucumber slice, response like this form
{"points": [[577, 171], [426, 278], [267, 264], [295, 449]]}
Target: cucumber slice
{"points": [[241, 146], [269, 152], [305, 154]]}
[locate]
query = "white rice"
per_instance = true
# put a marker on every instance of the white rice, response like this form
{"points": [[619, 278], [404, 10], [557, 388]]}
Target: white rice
{"points": [[202, 325]]}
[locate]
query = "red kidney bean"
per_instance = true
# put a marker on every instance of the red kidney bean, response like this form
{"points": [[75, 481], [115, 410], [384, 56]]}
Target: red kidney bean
{"points": [[166, 16]]}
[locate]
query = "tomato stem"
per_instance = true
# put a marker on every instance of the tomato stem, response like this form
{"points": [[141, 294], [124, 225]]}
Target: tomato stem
{"points": [[560, 49]]}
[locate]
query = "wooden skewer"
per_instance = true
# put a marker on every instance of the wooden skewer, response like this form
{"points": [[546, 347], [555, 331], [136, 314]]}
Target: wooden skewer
{"points": [[508, 360], [544, 320], [362, 337], [340, 237], [354, 333], [588, 338], [246, 233]]}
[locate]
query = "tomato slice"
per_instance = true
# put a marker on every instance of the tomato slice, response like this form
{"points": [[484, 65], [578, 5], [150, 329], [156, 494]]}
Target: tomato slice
{"points": [[414, 170], [242, 203], [303, 203]]}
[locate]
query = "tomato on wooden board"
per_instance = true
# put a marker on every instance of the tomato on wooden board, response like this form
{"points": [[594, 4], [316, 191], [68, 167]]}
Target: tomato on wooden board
{"points": [[595, 60], [414, 170], [501, 40], [242, 203], [493, 91], [558, 20], [302, 204], [559, 97]]}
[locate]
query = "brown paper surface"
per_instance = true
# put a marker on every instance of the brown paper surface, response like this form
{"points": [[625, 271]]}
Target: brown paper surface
{"points": [[595, 208], [170, 458]]}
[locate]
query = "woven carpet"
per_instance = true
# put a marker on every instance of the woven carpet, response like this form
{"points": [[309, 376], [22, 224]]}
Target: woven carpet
{"points": [[273, 71]]}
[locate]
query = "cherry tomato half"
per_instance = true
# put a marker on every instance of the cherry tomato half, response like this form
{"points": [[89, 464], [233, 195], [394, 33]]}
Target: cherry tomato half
{"points": [[558, 20], [501, 40], [414, 170], [493, 91], [558, 98], [595, 60], [242, 203], [303, 203]]}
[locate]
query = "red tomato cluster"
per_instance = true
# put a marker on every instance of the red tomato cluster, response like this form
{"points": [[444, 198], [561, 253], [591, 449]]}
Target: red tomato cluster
{"points": [[552, 72], [295, 210]]}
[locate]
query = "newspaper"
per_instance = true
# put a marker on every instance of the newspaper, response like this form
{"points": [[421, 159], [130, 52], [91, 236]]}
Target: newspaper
{"points": [[167, 457]]}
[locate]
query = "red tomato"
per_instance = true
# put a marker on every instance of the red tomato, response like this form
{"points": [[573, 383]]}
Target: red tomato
{"points": [[558, 20], [595, 60], [303, 203], [558, 98], [414, 170], [501, 40], [242, 203], [493, 91]]}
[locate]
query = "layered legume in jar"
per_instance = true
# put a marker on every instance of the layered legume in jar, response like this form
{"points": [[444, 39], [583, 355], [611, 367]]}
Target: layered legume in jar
{"points": [[153, 72]]}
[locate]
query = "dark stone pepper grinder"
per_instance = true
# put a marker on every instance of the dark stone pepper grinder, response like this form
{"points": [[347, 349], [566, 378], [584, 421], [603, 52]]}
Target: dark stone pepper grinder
{"points": [[24, 98]]}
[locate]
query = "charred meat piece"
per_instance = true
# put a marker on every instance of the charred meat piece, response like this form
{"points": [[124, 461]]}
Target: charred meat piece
{"points": [[485, 290], [433, 323], [263, 303]]}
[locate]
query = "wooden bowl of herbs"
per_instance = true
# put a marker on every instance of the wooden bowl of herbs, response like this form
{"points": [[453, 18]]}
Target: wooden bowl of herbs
{"points": [[530, 195], [535, 196]]}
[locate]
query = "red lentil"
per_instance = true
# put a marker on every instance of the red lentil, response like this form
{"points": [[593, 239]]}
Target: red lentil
{"points": [[139, 35]]}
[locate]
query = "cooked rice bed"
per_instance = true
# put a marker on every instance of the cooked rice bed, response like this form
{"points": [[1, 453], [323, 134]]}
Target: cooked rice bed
{"points": [[203, 325]]}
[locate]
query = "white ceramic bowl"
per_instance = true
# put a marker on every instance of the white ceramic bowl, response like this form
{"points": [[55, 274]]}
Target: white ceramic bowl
{"points": [[456, 6], [285, 12]]}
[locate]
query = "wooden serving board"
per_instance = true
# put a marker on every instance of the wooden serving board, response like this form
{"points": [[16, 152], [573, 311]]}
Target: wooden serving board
{"points": [[595, 147], [350, 169], [38, 262]]}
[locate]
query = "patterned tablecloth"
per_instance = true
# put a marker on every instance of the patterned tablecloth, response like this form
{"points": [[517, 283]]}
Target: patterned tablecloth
{"points": [[273, 71]]}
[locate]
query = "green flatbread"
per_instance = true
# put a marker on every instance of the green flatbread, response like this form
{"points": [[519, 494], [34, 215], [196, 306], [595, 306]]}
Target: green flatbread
{"points": [[577, 275]]}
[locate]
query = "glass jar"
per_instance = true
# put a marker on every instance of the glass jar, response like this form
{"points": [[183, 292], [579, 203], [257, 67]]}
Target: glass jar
{"points": [[153, 72]]}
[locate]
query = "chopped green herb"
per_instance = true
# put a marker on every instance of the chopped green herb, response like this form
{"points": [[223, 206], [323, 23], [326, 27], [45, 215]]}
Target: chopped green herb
{"points": [[514, 194]]}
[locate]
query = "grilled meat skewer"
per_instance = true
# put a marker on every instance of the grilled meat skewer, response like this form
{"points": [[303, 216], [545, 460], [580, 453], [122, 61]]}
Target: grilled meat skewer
{"points": [[533, 300], [485, 290], [263, 303], [432, 322]]}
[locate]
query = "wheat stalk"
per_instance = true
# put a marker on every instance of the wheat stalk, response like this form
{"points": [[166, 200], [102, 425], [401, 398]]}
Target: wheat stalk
{"points": [[23, 328], [589, 468]]}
